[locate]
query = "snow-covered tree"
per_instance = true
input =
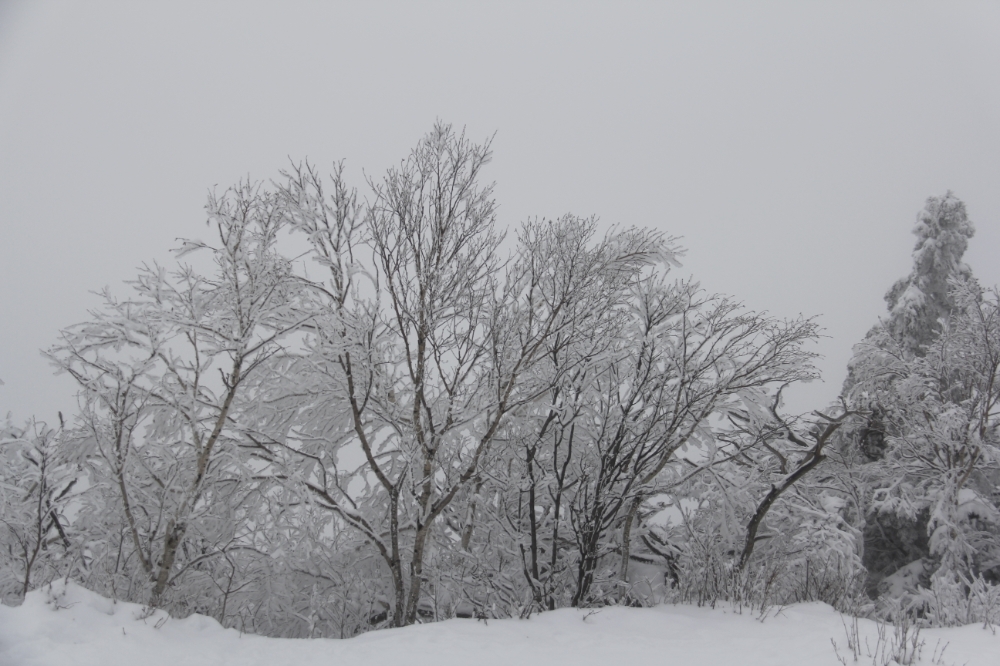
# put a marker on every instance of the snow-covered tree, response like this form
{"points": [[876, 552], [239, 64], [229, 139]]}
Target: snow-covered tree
{"points": [[927, 375], [419, 359], [439, 421], [943, 452], [920, 303], [609, 440], [165, 380]]}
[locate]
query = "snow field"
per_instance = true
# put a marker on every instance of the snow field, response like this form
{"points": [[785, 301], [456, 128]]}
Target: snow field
{"points": [[70, 626]]}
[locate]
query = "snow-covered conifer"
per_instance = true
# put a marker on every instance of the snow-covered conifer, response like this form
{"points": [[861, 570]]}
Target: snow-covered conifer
{"points": [[920, 303]]}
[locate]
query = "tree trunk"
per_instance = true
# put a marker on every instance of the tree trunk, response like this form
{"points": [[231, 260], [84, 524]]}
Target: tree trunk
{"points": [[174, 536], [627, 537], [416, 573]]}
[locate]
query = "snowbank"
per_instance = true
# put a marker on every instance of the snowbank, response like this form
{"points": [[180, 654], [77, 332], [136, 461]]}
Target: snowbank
{"points": [[68, 625]]}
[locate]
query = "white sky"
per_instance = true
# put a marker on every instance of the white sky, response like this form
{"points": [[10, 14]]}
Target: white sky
{"points": [[790, 144]]}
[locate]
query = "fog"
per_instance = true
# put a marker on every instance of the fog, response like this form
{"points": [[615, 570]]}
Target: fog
{"points": [[791, 146]]}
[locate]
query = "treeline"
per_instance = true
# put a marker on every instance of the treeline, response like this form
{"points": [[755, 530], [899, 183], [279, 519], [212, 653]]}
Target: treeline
{"points": [[421, 417]]}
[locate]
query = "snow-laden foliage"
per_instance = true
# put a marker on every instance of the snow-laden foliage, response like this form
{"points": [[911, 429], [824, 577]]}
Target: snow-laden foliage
{"points": [[165, 380], [770, 521], [37, 483], [482, 435], [928, 467], [420, 428], [920, 302], [943, 454], [418, 417]]}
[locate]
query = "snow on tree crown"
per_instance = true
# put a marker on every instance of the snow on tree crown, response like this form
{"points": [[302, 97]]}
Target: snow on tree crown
{"points": [[919, 301]]}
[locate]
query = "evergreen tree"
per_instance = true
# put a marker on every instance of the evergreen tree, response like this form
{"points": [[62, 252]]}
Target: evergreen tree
{"points": [[917, 305], [925, 375], [920, 302]]}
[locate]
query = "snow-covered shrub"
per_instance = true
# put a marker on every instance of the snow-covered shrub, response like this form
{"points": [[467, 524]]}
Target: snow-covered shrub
{"points": [[806, 552], [37, 482], [772, 521]]}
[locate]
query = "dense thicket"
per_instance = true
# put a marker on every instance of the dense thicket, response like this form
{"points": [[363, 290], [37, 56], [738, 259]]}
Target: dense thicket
{"points": [[423, 416]]}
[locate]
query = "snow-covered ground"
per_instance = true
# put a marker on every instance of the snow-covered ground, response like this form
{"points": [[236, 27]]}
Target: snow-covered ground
{"points": [[72, 626]]}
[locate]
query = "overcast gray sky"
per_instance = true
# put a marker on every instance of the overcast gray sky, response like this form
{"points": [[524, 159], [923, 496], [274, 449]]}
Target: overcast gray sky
{"points": [[790, 144]]}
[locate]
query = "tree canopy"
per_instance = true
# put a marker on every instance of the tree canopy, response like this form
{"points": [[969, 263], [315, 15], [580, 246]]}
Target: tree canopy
{"points": [[424, 415]]}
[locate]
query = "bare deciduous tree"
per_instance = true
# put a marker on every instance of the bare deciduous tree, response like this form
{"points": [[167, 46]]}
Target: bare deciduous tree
{"points": [[429, 358], [164, 384]]}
